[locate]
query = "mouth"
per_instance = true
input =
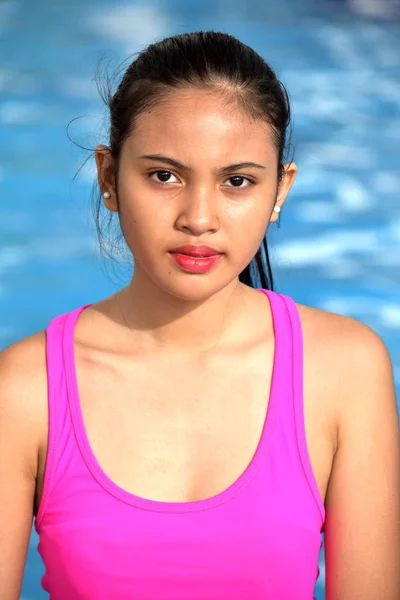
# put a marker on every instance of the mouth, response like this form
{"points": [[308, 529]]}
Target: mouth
{"points": [[195, 255], [195, 264], [196, 251]]}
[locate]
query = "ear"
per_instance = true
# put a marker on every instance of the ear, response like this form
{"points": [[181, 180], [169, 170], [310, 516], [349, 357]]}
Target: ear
{"points": [[288, 177], [105, 176]]}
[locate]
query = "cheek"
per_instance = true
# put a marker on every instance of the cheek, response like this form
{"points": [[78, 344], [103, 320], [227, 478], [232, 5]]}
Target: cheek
{"points": [[140, 206], [144, 225], [248, 223]]}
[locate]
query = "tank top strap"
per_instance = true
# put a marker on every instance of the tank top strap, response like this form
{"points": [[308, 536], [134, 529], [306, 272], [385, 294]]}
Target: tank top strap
{"points": [[289, 379], [283, 339], [296, 365], [59, 420]]}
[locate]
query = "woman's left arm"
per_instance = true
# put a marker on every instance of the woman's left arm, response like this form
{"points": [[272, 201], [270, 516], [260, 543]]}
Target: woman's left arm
{"points": [[362, 527]]}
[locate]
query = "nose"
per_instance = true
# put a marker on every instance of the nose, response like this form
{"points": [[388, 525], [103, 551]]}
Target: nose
{"points": [[198, 213]]}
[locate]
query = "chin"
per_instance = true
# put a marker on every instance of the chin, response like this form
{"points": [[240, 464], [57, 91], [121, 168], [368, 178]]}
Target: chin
{"points": [[194, 288]]}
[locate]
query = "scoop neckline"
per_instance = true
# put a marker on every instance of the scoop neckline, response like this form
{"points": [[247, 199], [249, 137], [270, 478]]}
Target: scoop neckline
{"points": [[159, 505]]}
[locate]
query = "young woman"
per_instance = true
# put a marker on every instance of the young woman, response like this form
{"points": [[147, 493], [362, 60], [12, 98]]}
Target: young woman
{"points": [[191, 436]]}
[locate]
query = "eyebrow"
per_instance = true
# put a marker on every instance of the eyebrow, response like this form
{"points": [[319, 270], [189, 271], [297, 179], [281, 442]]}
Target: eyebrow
{"points": [[221, 171]]}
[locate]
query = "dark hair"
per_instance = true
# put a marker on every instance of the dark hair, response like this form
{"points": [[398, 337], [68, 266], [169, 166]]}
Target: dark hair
{"points": [[204, 59]]}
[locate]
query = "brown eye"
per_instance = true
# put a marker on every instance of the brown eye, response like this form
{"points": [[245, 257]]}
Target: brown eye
{"points": [[164, 176], [238, 179]]}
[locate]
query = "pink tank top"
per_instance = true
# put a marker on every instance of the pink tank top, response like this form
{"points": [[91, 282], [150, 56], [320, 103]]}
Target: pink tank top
{"points": [[258, 539]]}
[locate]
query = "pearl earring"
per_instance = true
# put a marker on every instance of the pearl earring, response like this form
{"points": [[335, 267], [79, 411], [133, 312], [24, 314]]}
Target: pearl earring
{"points": [[106, 195], [277, 209]]}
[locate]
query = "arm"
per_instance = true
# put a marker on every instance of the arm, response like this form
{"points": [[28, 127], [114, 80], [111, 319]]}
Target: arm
{"points": [[362, 529], [18, 460]]}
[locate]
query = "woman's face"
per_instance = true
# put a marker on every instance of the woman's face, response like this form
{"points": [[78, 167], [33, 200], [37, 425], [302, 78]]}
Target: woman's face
{"points": [[164, 206]]}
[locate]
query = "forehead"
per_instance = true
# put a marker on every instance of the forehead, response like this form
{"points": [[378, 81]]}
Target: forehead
{"points": [[195, 119]]}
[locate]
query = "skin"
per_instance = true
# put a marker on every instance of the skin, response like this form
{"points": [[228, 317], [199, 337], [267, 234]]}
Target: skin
{"points": [[169, 306]]}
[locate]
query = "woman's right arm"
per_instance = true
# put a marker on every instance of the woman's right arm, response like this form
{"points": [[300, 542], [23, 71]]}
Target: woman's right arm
{"points": [[22, 377]]}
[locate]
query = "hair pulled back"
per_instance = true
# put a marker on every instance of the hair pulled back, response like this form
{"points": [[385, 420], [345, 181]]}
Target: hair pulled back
{"points": [[202, 59]]}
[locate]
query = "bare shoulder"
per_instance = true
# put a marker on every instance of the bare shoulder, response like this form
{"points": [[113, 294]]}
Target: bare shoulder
{"points": [[24, 362], [344, 340], [332, 327], [23, 393], [344, 352]]}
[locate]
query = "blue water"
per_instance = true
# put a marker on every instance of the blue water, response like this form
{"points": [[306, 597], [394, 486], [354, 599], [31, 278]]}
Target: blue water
{"points": [[338, 247]]}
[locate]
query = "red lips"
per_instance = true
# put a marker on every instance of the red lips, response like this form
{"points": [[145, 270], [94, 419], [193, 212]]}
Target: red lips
{"points": [[197, 251]]}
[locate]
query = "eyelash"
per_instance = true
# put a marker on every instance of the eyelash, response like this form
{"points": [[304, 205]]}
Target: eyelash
{"points": [[251, 181]]}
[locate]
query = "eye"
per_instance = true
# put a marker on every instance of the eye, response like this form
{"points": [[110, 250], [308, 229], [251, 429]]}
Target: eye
{"points": [[164, 174], [238, 179]]}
